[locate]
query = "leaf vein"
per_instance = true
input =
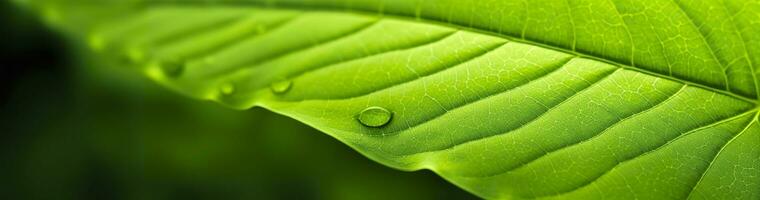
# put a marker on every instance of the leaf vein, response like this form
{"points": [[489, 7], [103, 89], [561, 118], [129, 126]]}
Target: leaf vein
{"points": [[709, 166], [529, 122], [711, 125], [632, 116]]}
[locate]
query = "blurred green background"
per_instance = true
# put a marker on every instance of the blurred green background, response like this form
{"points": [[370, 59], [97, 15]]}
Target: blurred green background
{"points": [[74, 129]]}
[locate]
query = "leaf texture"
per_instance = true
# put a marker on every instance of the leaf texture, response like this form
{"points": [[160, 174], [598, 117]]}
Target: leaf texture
{"points": [[573, 99]]}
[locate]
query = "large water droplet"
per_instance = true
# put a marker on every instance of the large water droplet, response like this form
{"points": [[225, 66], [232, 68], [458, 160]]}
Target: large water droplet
{"points": [[281, 86], [375, 117], [227, 89]]}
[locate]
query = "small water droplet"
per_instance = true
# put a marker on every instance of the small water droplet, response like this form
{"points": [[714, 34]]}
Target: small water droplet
{"points": [[281, 86], [375, 117], [227, 89]]}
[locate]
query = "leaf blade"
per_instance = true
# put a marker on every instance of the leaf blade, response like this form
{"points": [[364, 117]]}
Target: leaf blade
{"points": [[446, 113]]}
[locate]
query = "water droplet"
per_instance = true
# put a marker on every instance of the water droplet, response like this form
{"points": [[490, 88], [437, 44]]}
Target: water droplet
{"points": [[375, 117], [281, 86], [227, 89]]}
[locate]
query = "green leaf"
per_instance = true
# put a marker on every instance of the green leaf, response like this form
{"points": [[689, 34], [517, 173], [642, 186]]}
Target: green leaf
{"points": [[575, 99]]}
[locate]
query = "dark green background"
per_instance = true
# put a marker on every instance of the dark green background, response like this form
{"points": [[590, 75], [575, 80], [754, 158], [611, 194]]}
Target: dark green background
{"points": [[72, 129]]}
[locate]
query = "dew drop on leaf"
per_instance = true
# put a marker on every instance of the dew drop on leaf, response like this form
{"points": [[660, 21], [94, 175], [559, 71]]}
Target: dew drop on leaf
{"points": [[281, 86], [375, 117]]}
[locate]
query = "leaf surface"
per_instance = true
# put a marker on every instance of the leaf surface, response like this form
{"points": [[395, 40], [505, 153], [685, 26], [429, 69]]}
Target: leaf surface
{"points": [[576, 99]]}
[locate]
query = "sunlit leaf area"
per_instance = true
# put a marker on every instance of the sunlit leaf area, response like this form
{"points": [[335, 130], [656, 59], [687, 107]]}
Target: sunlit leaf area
{"points": [[382, 99]]}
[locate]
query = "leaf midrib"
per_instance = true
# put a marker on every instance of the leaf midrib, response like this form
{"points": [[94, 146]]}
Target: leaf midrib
{"points": [[512, 38]]}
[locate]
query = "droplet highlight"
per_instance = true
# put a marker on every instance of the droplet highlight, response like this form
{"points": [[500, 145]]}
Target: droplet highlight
{"points": [[281, 86], [375, 117]]}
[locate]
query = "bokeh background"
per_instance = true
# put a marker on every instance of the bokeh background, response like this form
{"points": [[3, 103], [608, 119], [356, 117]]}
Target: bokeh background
{"points": [[75, 128]]}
